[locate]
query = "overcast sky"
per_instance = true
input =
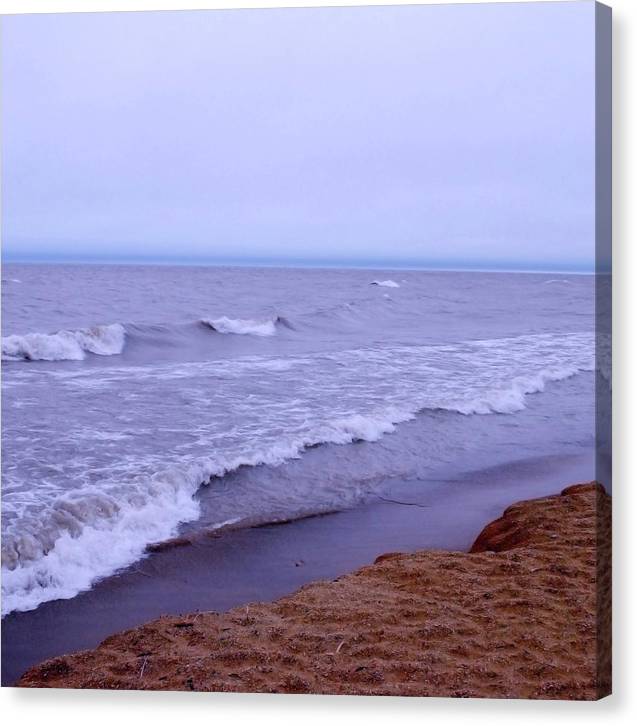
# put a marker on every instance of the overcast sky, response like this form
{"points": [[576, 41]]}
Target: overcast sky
{"points": [[436, 135]]}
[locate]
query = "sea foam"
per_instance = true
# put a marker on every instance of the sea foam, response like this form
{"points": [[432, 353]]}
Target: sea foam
{"points": [[65, 344], [89, 534], [384, 283], [241, 327], [281, 407]]}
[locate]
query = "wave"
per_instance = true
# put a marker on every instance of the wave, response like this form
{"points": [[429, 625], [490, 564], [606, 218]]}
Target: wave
{"points": [[69, 345], [91, 533], [65, 344], [512, 398], [384, 283], [245, 327]]}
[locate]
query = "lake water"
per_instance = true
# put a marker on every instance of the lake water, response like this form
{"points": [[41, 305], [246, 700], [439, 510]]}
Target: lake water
{"points": [[142, 402]]}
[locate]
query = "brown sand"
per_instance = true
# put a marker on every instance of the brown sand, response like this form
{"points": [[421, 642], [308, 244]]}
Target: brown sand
{"points": [[517, 617]]}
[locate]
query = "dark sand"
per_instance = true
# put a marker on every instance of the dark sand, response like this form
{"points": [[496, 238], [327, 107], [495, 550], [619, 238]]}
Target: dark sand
{"points": [[525, 614], [265, 563]]}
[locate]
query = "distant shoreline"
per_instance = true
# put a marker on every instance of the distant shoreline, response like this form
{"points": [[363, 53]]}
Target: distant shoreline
{"points": [[426, 624]]}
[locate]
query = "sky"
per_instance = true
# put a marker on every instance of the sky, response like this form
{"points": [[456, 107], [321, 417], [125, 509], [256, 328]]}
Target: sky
{"points": [[431, 136]]}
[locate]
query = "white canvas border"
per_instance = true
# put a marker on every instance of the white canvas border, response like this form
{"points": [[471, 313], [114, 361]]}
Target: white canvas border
{"points": [[103, 708]]}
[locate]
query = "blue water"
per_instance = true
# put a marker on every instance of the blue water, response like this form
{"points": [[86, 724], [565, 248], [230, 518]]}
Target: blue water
{"points": [[142, 401]]}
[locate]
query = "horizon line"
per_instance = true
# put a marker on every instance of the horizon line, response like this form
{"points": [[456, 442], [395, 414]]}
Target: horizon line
{"points": [[305, 264]]}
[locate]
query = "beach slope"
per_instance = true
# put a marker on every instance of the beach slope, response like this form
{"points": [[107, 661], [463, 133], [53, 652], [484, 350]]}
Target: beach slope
{"points": [[524, 614]]}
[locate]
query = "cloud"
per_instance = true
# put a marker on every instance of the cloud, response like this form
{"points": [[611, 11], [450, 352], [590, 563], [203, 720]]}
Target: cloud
{"points": [[431, 133]]}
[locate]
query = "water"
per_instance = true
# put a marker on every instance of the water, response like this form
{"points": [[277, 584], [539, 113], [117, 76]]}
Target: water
{"points": [[142, 402]]}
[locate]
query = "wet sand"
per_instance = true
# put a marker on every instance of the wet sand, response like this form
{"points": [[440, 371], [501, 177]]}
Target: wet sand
{"points": [[266, 563], [525, 614]]}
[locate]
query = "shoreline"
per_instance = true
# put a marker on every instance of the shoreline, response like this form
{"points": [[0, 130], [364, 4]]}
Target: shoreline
{"points": [[266, 563], [515, 617]]}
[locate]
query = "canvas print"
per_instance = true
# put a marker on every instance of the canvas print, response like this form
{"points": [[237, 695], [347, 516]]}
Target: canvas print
{"points": [[306, 350]]}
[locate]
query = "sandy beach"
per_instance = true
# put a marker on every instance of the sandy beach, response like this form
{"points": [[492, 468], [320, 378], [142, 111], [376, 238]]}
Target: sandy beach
{"points": [[524, 614], [259, 564]]}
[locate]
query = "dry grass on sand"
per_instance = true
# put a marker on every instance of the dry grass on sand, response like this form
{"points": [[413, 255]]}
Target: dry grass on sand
{"points": [[517, 617]]}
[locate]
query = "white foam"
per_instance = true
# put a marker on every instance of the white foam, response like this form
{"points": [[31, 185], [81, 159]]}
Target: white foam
{"points": [[385, 283], [65, 344], [512, 398], [96, 537], [88, 534], [370, 427], [242, 327]]}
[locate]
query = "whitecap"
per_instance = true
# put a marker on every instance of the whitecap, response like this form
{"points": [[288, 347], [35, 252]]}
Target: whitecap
{"points": [[384, 283], [241, 327], [65, 344]]}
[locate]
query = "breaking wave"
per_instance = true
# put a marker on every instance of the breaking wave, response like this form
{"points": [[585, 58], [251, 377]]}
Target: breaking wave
{"points": [[65, 344], [233, 326], [513, 397], [384, 283], [69, 345], [90, 533]]}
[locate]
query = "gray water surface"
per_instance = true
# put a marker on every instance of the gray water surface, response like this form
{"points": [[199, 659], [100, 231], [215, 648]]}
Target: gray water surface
{"points": [[140, 402]]}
